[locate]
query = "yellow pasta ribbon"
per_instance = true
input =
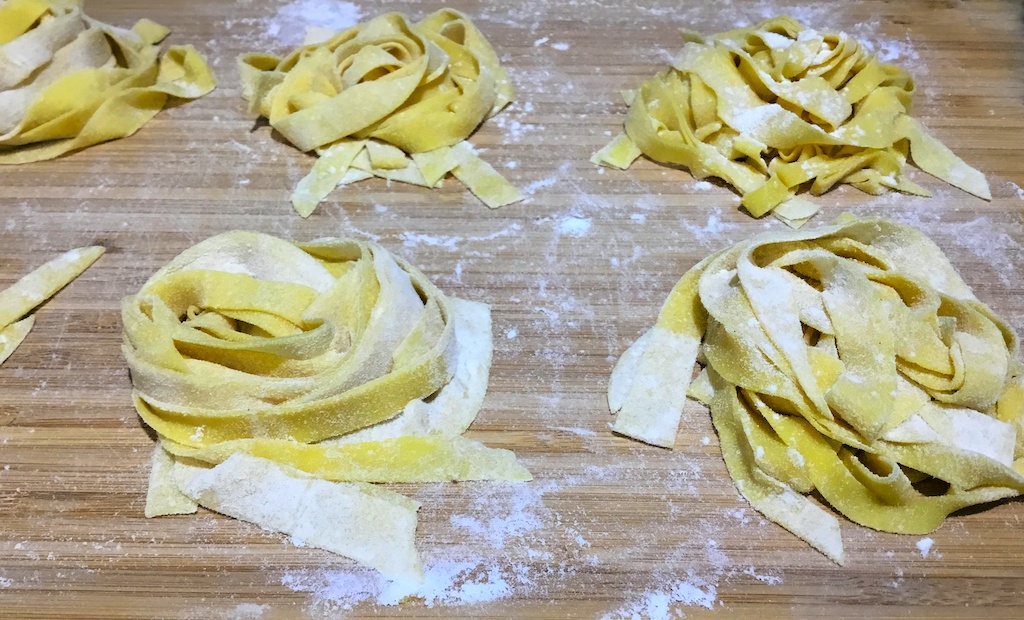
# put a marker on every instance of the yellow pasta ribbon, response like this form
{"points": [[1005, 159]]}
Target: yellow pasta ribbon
{"points": [[68, 81], [851, 360], [778, 108], [388, 98], [27, 293], [326, 365]]}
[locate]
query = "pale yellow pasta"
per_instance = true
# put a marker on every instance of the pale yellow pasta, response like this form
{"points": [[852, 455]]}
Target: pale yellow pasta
{"points": [[850, 360], [323, 366], [388, 98], [68, 81], [778, 108], [27, 293]]}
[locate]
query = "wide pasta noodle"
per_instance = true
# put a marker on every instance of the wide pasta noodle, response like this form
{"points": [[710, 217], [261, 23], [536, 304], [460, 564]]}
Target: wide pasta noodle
{"points": [[777, 108], [388, 98], [317, 367], [850, 360], [68, 81], [27, 293]]}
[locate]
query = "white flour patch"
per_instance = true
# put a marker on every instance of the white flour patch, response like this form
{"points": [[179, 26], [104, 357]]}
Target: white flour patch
{"points": [[447, 581], [659, 604], [572, 226], [1018, 189], [582, 432], [512, 129], [6, 582], [925, 546], [288, 26], [250, 611], [509, 511], [560, 46], [712, 230], [451, 243], [411, 240], [531, 188], [762, 577], [987, 241]]}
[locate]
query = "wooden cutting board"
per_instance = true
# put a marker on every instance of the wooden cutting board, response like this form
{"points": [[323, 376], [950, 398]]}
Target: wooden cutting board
{"points": [[573, 275]]}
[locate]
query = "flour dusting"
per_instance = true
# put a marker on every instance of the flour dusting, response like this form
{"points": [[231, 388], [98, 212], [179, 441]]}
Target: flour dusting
{"points": [[289, 25], [447, 581], [660, 604], [572, 226], [925, 546], [250, 611]]}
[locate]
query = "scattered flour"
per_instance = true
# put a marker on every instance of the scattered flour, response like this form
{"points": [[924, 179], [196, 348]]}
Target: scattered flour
{"points": [[712, 230], [250, 611], [925, 546], [531, 188], [987, 241], [560, 46], [582, 432], [659, 604], [6, 582], [1019, 190], [452, 243], [288, 26], [572, 226], [447, 581]]}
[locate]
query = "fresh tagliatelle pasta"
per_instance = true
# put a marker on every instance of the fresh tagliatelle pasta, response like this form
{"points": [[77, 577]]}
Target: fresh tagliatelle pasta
{"points": [[27, 293], [850, 360], [388, 98], [777, 108], [68, 81], [283, 378]]}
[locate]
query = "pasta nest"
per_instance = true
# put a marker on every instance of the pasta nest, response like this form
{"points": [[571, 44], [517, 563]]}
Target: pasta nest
{"points": [[852, 361], [68, 81], [255, 359], [387, 98], [416, 86], [778, 108]]}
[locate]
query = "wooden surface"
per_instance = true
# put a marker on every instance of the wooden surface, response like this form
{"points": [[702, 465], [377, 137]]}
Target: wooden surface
{"points": [[608, 524]]}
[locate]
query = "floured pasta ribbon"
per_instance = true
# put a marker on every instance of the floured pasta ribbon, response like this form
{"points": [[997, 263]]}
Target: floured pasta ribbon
{"points": [[778, 107], [850, 360], [68, 81], [387, 98], [27, 293], [284, 378]]}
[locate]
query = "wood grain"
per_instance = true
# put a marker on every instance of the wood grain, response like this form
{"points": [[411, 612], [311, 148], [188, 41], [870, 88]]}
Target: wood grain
{"points": [[612, 521]]}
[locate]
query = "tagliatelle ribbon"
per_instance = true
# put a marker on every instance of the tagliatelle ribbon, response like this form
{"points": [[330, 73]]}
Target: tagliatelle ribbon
{"points": [[320, 367], [27, 293], [851, 360], [387, 98], [68, 81], [777, 108]]}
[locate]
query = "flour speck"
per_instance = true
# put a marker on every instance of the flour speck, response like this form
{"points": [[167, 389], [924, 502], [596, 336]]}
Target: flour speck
{"points": [[925, 546], [572, 226]]}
